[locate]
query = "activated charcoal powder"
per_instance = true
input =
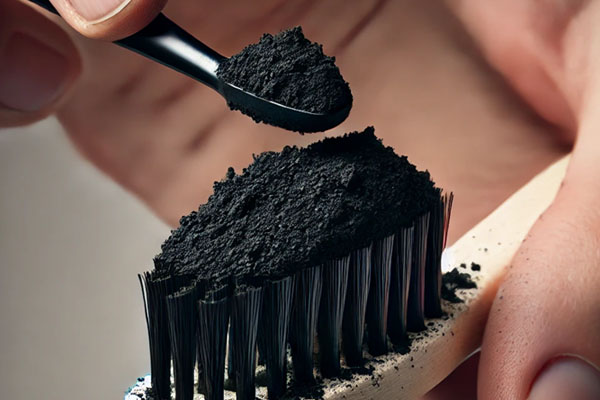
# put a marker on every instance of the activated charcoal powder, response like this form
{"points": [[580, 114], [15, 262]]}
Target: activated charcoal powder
{"points": [[289, 69], [453, 281], [299, 208]]}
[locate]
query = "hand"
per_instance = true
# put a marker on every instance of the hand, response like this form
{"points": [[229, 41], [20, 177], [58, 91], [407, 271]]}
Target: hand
{"points": [[541, 339]]}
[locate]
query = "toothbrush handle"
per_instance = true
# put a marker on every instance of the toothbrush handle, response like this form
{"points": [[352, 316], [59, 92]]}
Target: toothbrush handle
{"points": [[165, 42]]}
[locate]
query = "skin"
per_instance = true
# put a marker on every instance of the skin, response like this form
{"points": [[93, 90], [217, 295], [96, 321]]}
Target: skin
{"points": [[483, 94]]}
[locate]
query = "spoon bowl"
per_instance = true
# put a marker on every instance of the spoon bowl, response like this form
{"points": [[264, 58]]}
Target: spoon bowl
{"points": [[278, 114]]}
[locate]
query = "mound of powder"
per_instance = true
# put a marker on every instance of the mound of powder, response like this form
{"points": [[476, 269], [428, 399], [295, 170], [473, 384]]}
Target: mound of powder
{"points": [[299, 208], [288, 69]]}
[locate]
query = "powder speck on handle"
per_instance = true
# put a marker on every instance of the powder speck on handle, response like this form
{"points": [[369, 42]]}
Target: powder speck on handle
{"points": [[454, 280], [288, 69]]}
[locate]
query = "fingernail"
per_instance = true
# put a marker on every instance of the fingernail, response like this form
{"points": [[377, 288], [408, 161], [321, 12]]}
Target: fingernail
{"points": [[32, 75], [567, 378], [96, 11]]}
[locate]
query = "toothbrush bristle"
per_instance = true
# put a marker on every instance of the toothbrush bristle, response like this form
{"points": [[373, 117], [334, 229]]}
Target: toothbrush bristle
{"points": [[154, 290], [181, 308], [213, 318], [273, 333], [416, 293], [307, 296], [201, 286], [353, 324], [377, 306], [400, 285], [438, 232], [245, 313], [329, 326]]}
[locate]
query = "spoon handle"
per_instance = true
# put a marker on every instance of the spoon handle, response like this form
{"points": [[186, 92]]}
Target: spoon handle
{"points": [[165, 42]]}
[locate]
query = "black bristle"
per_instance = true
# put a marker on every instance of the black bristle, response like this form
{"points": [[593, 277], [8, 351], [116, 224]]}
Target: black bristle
{"points": [[335, 285], [183, 319], [273, 333], [377, 306], [245, 312], [433, 270], [230, 381], [416, 294], [201, 379], [155, 289], [213, 317], [400, 285], [438, 232], [201, 290], [303, 324], [353, 324], [448, 201]]}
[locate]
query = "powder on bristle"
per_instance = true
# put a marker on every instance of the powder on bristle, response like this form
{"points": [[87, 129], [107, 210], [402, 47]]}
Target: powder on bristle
{"points": [[299, 208]]}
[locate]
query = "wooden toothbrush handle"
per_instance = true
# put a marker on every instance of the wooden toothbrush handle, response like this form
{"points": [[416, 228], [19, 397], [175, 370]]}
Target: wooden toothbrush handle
{"points": [[492, 243]]}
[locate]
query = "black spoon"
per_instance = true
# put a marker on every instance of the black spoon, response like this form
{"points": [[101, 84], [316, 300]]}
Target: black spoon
{"points": [[165, 42]]}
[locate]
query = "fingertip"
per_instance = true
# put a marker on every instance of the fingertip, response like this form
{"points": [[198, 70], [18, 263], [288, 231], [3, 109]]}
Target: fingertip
{"points": [[38, 65], [108, 19], [567, 377]]}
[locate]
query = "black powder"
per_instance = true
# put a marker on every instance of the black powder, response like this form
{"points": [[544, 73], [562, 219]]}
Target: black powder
{"points": [[475, 267], [288, 69], [299, 208], [454, 280]]}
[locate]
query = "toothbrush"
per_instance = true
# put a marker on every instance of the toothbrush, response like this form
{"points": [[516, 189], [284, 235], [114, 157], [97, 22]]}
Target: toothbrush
{"points": [[492, 243]]}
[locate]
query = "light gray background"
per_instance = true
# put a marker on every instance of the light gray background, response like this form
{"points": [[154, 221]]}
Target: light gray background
{"points": [[71, 244]]}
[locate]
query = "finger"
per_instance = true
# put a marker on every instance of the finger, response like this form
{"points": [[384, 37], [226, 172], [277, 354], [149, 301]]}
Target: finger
{"points": [[108, 19], [543, 330], [523, 47], [38, 64]]}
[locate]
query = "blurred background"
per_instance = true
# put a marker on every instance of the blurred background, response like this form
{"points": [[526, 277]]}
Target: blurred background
{"points": [[71, 244]]}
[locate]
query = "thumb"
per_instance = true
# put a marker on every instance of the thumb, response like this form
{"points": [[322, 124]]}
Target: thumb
{"points": [[108, 19], [38, 64], [542, 336]]}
